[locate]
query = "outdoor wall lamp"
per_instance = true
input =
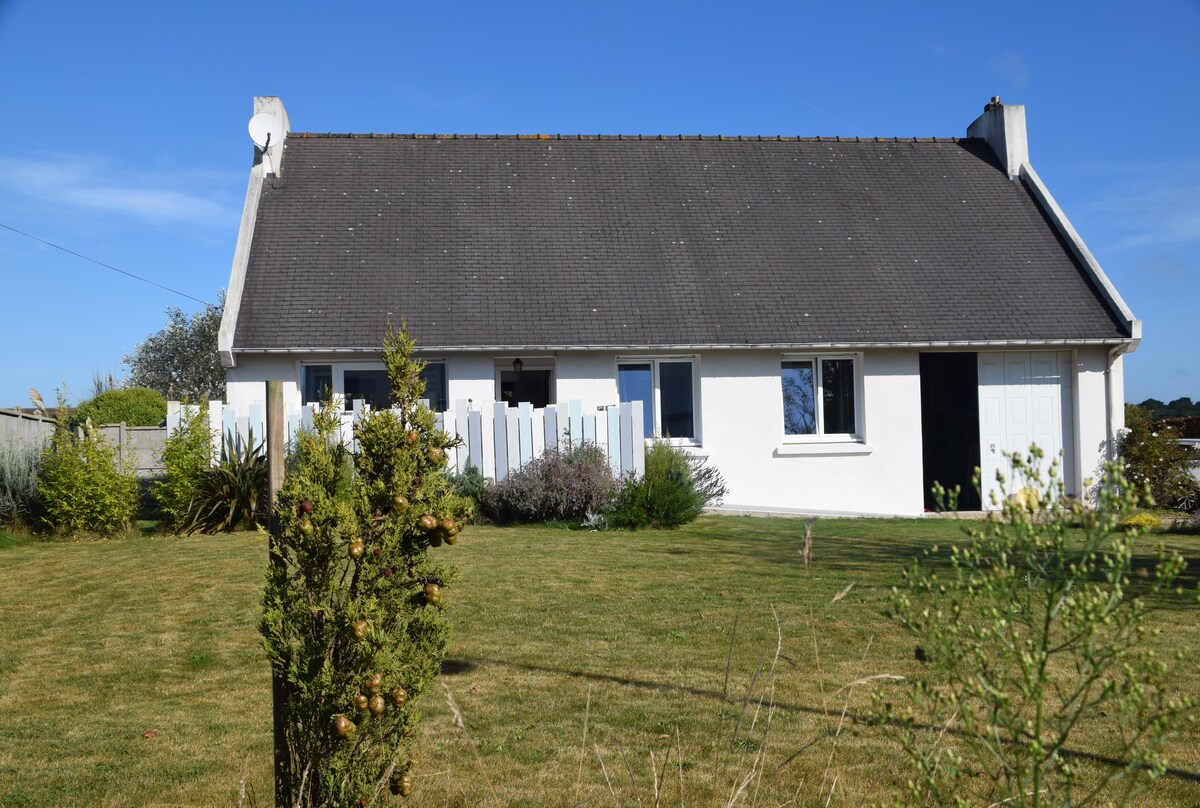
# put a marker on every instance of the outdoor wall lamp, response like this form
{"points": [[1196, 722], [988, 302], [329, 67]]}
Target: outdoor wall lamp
{"points": [[518, 364]]}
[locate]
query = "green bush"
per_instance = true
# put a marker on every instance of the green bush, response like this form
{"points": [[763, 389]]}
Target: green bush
{"points": [[186, 460], [565, 484], [675, 488], [233, 493], [1032, 628], [19, 465], [134, 406], [1154, 459], [82, 487], [470, 483]]}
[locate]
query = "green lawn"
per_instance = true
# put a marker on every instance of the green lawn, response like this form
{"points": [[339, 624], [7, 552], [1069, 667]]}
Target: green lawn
{"points": [[623, 636]]}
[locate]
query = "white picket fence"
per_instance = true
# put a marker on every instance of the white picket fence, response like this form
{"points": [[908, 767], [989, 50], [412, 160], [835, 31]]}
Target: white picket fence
{"points": [[496, 438]]}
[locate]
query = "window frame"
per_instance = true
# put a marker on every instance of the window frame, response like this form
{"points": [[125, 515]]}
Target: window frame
{"points": [[820, 436], [656, 393], [338, 378]]}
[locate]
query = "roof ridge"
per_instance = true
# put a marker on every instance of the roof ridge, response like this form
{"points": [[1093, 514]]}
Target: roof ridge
{"points": [[720, 138]]}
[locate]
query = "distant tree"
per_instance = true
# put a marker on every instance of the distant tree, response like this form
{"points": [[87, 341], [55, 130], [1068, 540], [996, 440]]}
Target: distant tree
{"points": [[1154, 408], [181, 360], [1182, 407]]}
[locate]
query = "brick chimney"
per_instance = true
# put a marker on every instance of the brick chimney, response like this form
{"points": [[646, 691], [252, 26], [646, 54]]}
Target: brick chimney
{"points": [[1003, 127]]}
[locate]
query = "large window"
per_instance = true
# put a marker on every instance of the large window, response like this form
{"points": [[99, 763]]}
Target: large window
{"points": [[819, 396], [368, 382], [667, 390]]}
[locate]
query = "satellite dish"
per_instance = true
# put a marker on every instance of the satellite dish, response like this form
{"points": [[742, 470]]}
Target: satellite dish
{"points": [[266, 131]]}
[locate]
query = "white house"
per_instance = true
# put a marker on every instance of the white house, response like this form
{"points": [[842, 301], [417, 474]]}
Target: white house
{"points": [[833, 323]]}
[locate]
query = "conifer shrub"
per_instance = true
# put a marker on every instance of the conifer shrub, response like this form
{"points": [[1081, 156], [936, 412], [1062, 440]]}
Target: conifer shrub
{"points": [[353, 610], [565, 484], [675, 488], [82, 487], [133, 406]]}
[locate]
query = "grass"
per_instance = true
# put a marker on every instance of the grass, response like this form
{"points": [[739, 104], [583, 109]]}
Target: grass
{"points": [[586, 668]]}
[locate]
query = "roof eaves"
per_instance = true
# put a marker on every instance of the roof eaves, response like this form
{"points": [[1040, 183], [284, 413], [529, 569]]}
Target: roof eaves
{"points": [[785, 346], [620, 137]]}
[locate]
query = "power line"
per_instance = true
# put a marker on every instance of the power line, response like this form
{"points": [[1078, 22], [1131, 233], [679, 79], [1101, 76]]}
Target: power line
{"points": [[101, 263]]}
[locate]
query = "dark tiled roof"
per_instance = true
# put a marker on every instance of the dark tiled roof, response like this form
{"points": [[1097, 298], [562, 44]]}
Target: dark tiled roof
{"points": [[533, 241]]}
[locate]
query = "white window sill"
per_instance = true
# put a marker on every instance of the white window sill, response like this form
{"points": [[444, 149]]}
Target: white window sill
{"points": [[823, 448], [679, 443]]}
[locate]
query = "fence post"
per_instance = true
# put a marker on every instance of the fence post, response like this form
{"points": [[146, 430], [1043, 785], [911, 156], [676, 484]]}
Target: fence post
{"points": [[276, 454]]}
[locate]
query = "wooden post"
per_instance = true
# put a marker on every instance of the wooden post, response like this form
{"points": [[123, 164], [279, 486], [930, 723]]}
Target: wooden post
{"points": [[276, 455]]}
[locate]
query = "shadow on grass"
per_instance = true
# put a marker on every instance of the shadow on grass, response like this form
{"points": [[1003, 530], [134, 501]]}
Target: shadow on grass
{"points": [[453, 667], [723, 698]]}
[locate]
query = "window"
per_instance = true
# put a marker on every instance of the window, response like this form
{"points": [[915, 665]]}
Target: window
{"points": [[368, 382], [434, 374], [372, 386], [667, 390], [819, 396], [316, 381]]}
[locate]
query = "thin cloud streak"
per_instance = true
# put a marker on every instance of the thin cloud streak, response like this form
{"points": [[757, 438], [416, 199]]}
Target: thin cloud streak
{"points": [[1155, 210], [1011, 65], [90, 184]]}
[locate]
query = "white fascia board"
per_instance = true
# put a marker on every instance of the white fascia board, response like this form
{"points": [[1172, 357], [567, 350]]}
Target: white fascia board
{"points": [[237, 275], [693, 347], [1083, 254]]}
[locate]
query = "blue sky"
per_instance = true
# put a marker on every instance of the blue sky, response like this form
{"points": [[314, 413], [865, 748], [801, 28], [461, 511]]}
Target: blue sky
{"points": [[123, 127]]}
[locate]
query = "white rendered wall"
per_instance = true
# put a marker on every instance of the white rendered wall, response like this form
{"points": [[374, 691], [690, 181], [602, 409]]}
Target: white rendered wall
{"points": [[743, 433], [1098, 418], [246, 383], [741, 421], [470, 377], [589, 377]]}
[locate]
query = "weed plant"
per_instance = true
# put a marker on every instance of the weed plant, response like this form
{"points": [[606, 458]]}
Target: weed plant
{"points": [[1031, 634]]}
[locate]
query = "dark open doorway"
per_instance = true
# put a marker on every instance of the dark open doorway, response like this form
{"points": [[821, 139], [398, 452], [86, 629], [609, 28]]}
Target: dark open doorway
{"points": [[533, 386], [950, 425]]}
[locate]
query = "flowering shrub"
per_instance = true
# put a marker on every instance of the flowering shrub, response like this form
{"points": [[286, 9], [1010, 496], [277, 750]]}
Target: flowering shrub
{"points": [[565, 484], [1153, 459]]}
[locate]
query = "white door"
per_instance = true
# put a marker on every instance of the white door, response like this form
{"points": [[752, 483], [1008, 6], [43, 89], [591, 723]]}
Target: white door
{"points": [[1025, 397]]}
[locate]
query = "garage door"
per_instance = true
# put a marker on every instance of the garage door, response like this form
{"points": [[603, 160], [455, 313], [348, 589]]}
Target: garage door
{"points": [[1025, 397]]}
